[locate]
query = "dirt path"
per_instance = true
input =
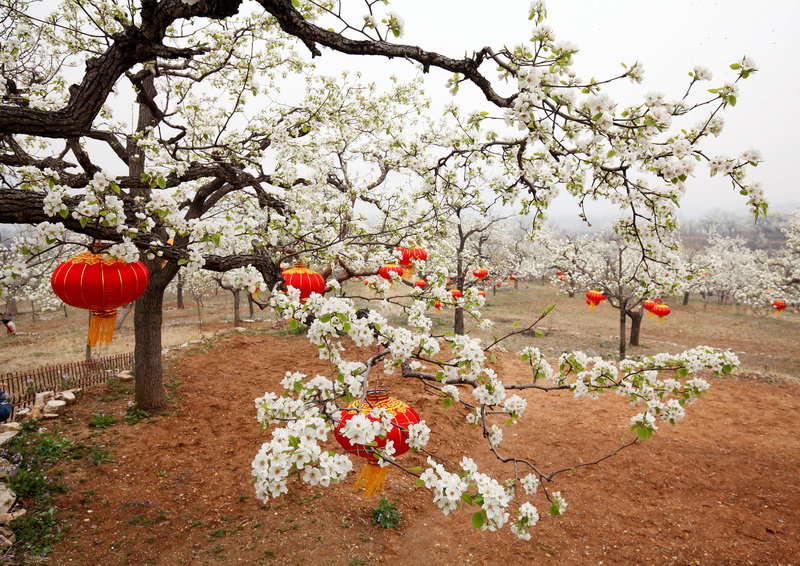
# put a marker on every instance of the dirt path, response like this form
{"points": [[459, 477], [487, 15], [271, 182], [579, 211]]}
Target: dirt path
{"points": [[720, 488]]}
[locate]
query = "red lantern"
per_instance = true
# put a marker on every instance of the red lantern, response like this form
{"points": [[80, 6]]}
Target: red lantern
{"points": [[456, 293], [594, 298], [421, 283], [512, 278], [480, 273], [419, 254], [778, 306], [373, 476], [437, 305], [405, 256], [660, 310], [306, 280], [101, 284], [481, 293], [387, 270], [648, 305]]}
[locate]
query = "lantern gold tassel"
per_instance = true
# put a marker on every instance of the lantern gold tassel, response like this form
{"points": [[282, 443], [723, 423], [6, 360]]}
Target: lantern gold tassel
{"points": [[101, 326], [372, 478]]}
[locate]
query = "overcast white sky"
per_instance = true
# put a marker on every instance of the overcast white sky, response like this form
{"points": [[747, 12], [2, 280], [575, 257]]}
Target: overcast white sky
{"points": [[669, 37]]}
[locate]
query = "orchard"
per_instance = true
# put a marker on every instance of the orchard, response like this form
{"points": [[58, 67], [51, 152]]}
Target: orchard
{"points": [[377, 233]]}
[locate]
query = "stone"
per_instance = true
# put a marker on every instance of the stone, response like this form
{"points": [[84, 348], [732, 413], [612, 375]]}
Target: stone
{"points": [[10, 426], [239, 329], [50, 416], [22, 412], [125, 376], [7, 538], [7, 435], [34, 413], [67, 396], [43, 397], [54, 406], [7, 498]]}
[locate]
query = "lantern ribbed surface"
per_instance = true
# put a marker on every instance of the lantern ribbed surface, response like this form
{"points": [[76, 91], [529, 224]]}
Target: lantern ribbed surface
{"points": [[101, 284], [306, 280], [373, 476]]}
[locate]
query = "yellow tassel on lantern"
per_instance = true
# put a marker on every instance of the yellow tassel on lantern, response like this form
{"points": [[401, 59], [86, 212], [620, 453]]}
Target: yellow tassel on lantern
{"points": [[592, 306], [408, 271], [101, 326], [372, 478]]}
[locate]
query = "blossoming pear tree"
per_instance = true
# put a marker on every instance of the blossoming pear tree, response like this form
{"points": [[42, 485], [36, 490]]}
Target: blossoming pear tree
{"points": [[221, 159]]}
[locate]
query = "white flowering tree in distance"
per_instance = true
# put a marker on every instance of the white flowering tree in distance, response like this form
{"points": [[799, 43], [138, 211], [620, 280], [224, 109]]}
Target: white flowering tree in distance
{"points": [[236, 173]]}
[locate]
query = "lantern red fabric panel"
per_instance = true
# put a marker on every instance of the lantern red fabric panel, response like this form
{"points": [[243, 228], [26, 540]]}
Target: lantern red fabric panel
{"points": [[480, 273], [306, 280], [402, 416], [98, 281], [388, 269]]}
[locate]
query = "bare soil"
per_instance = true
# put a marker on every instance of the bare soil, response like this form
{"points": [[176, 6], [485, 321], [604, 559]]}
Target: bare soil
{"points": [[721, 487]]}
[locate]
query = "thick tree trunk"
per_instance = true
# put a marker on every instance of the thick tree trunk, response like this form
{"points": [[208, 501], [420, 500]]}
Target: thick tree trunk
{"points": [[149, 390], [623, 338], [686, 298], [458, 322], [636, 325], [237, 317], [571, 294], [179, 285]]}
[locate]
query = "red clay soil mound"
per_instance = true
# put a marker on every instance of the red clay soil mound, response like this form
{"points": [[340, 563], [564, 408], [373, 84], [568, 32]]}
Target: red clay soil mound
{"points": [[719, 488]]}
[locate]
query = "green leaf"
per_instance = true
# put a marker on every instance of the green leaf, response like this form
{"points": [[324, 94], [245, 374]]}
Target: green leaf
{"points": [[727, 369], [479, 519], [538, 333], [293, 324], [183, 261], [547, 310], [64, 212], [467, 498], [83, 221], [643, 433], [682, 372], [294, 442], [493, 358], [555, 510], [446, 402], [420, 483], [161, 182], [515, 323]]}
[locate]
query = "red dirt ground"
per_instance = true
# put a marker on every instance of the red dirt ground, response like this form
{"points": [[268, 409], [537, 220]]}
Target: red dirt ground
{"points": [[721, 487]]}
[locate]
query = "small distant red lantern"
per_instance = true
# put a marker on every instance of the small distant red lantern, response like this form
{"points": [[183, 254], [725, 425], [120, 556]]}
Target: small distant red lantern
{"points": [[480, 273], [421, 283], [512, 278], [481, 293], [661, 310], [778, 306], [387, 270], [101, 284], [594, 298], [437, 305], [306, 280], [373, 477], [648, 305], [456, 293]]}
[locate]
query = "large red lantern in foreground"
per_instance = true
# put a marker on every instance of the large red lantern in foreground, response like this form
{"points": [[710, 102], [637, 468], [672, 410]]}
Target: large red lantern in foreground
{"points": [[594, 298], [373, 476], [101, 284], [778, 306], [306, 280], [660, 310], [481, 273]]}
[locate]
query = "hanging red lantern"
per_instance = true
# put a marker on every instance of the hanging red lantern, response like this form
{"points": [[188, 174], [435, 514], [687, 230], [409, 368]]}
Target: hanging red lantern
{"points": [[437, 305], [778, 306], [480, 273], [594, 298], [661, 310], [306, 280], [421, 283], [456, 293], [373, 476], [512, 278], [101, 284], [481, 293], [419, 254], [387, 270], [405, 256]]}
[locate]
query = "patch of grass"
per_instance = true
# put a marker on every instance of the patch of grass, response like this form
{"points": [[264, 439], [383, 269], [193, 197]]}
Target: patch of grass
{"points": [[102, 420], [117, 389], [386, 514], [218, 533], [133, 415], [35, 451], [141, 521], [97, 455]]}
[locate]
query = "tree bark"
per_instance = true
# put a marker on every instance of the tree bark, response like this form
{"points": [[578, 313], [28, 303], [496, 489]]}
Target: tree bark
{"points": [[623, 338], [148, 314], [11, 306], [237, 317], [250, 306], [179, 285], [686, 298], [636, 325]]}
